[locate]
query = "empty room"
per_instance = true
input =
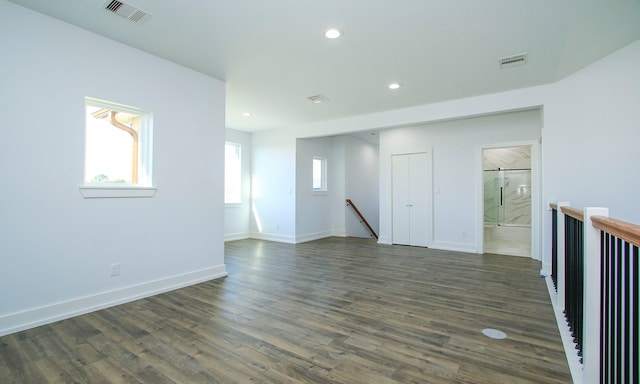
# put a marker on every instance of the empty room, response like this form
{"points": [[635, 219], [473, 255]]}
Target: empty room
{"points": [[304, 191]]}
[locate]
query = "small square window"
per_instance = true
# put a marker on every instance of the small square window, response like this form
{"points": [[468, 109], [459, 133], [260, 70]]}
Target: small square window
{"points": [[118, 148], [319, 174]]}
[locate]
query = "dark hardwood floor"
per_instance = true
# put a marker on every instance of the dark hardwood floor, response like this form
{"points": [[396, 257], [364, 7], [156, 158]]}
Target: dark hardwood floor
{"points": [[337, 310]]}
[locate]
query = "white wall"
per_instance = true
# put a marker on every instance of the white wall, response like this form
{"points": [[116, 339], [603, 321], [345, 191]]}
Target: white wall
{"points": [[591, 139], [352, 173], [314, 209], [590, 134], [57, 247], [455, 146], [337, 181], [273, 186], [352, 170], [237, 216], [362, 167]]}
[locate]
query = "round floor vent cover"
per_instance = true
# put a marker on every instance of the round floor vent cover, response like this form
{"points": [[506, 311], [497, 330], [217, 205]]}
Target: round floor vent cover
{"points": [[494, 333]]}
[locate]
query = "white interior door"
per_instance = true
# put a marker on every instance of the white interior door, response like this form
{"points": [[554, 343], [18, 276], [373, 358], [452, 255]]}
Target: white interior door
{"points": [[400, 197], [411, 199], [418, 210]]}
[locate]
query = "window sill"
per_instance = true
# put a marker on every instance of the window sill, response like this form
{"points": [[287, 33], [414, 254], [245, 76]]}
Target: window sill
{"points": [[233, 205], [103, 191]]}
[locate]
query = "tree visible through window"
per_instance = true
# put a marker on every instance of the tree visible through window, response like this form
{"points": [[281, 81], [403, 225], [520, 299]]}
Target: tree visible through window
{"points": [[232, 173], [117, 144]]}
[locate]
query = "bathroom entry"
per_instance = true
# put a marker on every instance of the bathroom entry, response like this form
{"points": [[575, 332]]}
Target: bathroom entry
{"points": [[507, 200]]}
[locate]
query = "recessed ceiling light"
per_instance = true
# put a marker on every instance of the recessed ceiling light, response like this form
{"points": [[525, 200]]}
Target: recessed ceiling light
{"points": [[395, 85], [333, 33], [247, 114]]}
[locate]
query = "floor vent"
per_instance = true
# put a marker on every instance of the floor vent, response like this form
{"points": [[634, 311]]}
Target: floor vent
{"points": [[126, 11], [494, 333], [513, 61]]}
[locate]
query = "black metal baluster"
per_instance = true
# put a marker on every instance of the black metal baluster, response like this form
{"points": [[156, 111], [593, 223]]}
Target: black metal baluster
{"points": [[626, 315], [603, 303], [618, 324], [635, 362], [580, 284], [554, 248]]}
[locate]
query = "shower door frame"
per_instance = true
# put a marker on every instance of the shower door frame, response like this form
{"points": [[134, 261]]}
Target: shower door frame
{"points": [[536, 211]]}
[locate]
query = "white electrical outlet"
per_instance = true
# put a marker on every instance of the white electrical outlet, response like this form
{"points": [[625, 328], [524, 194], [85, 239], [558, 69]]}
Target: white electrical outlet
{"points": [[115, 269], [463, 234]]}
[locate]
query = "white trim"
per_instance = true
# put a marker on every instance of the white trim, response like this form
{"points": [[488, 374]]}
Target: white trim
{"points": [[233, 200], [313, 236], [323, 175], [536, 188], [573, 359], [335, 233], [35, 317], [145, 140], [276, 238], [236, 236], [456, 247], [109, 191], [592, 294], [429, 198]]}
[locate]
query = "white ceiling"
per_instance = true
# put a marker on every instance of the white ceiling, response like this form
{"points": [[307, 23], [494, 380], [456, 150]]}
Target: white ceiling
{"points": [[273, 54]]}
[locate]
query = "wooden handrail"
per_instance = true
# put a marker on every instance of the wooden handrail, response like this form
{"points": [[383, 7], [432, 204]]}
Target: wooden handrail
{"points": [[575, 213], [363, 220], [620, 229]]}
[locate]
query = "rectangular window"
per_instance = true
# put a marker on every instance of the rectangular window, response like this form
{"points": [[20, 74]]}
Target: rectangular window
{"points": [[319, 174], [118, 148], [232, 173]]}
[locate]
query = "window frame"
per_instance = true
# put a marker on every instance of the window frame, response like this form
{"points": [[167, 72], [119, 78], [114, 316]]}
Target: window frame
{"points": [[144, 187], [323, 188], [239, 176]]}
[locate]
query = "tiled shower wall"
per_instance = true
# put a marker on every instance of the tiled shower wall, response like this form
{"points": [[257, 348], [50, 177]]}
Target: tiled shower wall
{"points": [[509, 169]]}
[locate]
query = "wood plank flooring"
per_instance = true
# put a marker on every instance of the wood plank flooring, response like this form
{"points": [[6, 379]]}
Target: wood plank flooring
{"points": [[337, 310]]}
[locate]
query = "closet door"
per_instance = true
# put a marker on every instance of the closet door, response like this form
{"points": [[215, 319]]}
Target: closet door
{"points": [[419, 210], [410, 186], [401, 201]]}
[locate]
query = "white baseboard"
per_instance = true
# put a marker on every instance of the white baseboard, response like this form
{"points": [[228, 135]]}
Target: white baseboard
{"points": [[31, 318], [456, 247], [545, 270], [271, 237], [384, 240], [313, 236], [236, 236]]}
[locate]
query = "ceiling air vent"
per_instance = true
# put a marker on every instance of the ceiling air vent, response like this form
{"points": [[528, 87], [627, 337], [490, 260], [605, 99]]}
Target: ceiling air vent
{"points": [[513, 61], [317, 99], [127, 11]]}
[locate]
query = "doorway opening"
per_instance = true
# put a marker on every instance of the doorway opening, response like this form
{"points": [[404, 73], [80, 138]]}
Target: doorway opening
{"points": [[507, 200]]}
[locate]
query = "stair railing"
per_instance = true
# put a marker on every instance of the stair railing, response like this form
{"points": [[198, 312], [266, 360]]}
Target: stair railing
{"points": [[362, 219]]}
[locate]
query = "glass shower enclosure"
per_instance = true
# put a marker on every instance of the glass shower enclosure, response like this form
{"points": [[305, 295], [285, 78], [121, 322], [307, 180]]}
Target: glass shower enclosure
{"points": [[507, 197]]}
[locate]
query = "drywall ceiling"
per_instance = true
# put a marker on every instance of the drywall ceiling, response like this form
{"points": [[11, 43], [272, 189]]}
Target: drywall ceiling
{"points": [[273, 54]]}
